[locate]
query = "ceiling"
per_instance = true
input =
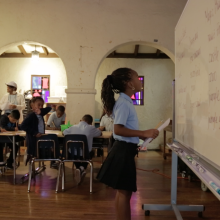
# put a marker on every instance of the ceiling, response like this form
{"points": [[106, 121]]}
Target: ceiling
{"points": [[137, 51], [134, 51], [24, 51]]}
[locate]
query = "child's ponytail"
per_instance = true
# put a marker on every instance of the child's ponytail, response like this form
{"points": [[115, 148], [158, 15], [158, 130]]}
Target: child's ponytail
{"points": [[107, 95], [114, 83]]}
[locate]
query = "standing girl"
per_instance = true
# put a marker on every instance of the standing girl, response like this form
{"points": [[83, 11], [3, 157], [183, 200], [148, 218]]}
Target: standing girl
{"points": [[119, 171], [34, 125]]}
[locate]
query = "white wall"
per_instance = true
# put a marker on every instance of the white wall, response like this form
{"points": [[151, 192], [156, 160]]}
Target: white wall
{"points": [[20, 70], [158, 76], [83, 32]]}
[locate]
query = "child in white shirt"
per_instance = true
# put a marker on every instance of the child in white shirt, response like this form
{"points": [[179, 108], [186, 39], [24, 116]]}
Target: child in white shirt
{"points": [[56, 119]]}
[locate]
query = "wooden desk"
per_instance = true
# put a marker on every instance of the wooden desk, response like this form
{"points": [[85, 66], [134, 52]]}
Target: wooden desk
{"points": [[105, 134], [13, 134]]}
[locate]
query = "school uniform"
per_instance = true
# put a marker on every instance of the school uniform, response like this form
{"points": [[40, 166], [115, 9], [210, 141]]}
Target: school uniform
{"points": [[34, 124], [118, 170], [107, 122]]}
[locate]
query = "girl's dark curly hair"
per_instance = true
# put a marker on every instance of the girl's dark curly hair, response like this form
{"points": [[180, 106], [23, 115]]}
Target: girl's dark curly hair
{"points": [[114, 83], [34, 99]]}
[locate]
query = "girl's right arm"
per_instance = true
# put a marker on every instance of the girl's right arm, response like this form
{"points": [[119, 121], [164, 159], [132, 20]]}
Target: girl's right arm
{"points": [[121, 130]]}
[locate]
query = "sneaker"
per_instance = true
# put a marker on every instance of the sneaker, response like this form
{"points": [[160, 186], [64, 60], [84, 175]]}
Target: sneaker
{"points": [[82, 176]]}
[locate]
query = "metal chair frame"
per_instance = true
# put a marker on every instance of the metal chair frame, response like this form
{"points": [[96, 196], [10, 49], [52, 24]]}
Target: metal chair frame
{"points": [[36, 159], [72, 160]]}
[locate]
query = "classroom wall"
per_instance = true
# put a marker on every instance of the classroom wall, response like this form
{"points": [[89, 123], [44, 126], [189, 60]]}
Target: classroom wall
{"points": [[20, 70], [84, 32], [158, 77]]}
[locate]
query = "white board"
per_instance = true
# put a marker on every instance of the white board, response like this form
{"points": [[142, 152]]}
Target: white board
{"points": [[197, 90]]}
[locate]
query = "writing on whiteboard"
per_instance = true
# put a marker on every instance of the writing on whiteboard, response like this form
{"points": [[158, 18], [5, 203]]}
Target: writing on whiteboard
{"points": [[193, 39], [214, 56], [195, 73], [182, 36], [181, 56], [213, 97], [212, 120], [212, 76], [211, 36], [195, 55], [217, 5], [218, 29], [209, 14]]}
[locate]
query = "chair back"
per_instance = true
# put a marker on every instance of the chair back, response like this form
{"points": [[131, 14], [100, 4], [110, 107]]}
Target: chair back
{"points": [[75, 146], [48, 147]]}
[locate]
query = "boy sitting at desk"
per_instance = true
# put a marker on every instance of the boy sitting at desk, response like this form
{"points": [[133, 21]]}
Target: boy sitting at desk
{"points": [[8, 122], [56, 119], [84, 127]]}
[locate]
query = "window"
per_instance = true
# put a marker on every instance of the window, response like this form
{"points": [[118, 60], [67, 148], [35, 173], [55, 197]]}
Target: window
{"points": [[138, 97], [40, 86]]}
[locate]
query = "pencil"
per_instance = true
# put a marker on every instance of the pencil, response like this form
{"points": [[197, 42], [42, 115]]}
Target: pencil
{"points": [[159, 124]]}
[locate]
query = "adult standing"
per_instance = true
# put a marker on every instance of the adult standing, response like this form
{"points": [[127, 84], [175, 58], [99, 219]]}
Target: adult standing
{"points": [[12, 100]]}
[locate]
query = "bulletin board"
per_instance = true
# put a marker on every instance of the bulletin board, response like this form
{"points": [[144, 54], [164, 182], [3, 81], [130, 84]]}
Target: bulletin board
{"points": [[40, 86]]}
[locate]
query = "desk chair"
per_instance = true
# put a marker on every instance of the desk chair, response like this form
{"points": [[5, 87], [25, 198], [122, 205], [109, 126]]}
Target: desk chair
{"points": [[100, 143], [78, 146], [47, 149]]}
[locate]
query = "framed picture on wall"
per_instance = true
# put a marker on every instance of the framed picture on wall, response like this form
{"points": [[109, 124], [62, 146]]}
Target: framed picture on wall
{"points": [[40, 86]]}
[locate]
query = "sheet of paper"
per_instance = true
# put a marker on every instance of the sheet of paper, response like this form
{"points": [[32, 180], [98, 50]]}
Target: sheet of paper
{"points": [[148, 140]]}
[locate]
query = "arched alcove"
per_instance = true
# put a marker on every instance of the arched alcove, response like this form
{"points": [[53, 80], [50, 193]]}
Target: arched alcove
{"points": [[157, 67], [16, 64]]}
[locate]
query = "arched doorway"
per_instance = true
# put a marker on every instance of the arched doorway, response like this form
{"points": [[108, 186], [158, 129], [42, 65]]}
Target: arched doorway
{"points": [[17, 64], [157, 69]]}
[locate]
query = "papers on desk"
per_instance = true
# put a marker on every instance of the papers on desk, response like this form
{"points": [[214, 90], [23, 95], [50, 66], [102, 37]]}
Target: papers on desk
{"points": [[148, 140]]}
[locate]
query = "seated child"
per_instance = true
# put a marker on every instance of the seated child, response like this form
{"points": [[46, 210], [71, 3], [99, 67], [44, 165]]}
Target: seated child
{"points": [[84, 127], [56, 119], [8, 122], [34, 125], [106, 123]]}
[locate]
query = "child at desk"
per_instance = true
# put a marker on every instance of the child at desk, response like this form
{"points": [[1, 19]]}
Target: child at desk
{"points": [[118, 170], [8, 122], [84, 127], [56, 119], [34, 125], [106, 122]]}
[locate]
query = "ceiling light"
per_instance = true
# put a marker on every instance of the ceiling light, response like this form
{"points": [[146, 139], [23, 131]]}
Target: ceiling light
{"points": [[35, 54]]}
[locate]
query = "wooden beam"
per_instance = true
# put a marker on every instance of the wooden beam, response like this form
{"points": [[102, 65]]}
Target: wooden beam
{"points": [[158, 52], [21, 48], [45, 50], [136, 50], [113, 53], [28, 55], [139, 56]]}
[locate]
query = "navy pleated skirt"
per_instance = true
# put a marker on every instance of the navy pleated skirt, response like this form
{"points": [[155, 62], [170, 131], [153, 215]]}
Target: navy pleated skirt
{"points": [[118, 170]]}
